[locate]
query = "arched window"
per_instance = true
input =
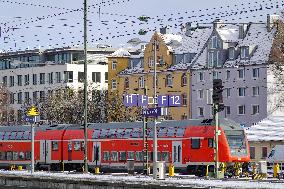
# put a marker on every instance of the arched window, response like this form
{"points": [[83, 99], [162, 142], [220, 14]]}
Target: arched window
{"points": [[141, 82], [169, 80], [126, 83]]}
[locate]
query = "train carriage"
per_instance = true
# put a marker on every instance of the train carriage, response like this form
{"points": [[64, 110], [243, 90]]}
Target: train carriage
{"points": [[188, 144]]}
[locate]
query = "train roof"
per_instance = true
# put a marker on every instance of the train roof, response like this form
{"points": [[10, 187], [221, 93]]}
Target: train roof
{"points": [[226, 124]]}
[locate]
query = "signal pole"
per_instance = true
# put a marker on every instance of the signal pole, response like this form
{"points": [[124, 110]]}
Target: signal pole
{"points": [[85, 91]]}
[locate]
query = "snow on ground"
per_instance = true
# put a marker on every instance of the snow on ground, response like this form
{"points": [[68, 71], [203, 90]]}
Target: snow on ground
{"points": [[141, 179]]}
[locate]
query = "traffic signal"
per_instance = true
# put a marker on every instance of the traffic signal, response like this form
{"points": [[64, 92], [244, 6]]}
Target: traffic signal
{"points": [[217, 91]]}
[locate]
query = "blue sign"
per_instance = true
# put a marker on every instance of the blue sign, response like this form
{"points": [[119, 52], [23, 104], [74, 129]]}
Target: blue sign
{"points": [[143, 100], [152, 112], [30, 119]]}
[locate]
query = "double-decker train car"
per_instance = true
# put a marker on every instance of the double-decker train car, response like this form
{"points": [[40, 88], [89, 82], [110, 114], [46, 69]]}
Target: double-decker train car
{"points": [[187, 144]]}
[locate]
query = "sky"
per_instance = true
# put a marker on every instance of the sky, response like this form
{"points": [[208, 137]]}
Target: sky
{"points": [[30, 24]]}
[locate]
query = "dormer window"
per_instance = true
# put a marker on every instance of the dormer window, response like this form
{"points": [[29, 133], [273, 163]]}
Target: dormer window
{"points": [[213, 59], [232, 53], [214, 42], [244, 52]]}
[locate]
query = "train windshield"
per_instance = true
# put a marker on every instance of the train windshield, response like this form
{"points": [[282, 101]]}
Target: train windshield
{"points": [[237, 145]]}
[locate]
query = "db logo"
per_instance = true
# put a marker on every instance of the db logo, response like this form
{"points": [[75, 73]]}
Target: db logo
{"points": [[10, 146]]}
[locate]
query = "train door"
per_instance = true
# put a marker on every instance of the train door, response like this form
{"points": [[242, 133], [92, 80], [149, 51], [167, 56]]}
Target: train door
{"points": [[177, 153], [69, 150], [97, 153], [42, 151], [46, 151]]}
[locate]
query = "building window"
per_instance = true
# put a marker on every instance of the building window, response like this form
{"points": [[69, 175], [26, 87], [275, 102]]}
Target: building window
{"points": [[126, 83], [141, 82], [227, 110], [195, 143], [35, 97], [151, 62], [242, 91], [12, 81], [201, 76], [231, 53], [255, 72], [255, 109], [183, 80], [113, 84], [12, 98], [58, 77], [20, 98], [214, 42], [184, 99], [81, 76], [200, 111], [264, 152], [252, 152], [106, 77], [244, 52], [96, 77], [42, 78], [241, 110], [5, 81], [41, 96], [27, 79], [255, 91], [68, 76], [169, 80], [228, 74], [215, 75], [200, 94], [34, 79], [20, 82], [114, 64], [241, 73], [27, 97], [228, 92], [50, 78]]}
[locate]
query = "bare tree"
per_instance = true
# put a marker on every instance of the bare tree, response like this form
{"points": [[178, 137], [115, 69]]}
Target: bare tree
{"points": [[4, 104]]}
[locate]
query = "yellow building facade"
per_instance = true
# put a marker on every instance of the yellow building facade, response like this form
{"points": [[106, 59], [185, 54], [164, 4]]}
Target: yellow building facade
{"points": [[123, 80]]}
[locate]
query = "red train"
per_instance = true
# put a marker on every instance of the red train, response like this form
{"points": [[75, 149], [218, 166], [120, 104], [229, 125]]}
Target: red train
{"points": [[188, 144]]}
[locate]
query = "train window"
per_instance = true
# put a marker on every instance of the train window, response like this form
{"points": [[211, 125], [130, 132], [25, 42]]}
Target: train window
{"points": [[21, 155], [136, 133], [105, 156], [2, 155], [19, 135], [119, 133], [210, 142], [130, 155], [150, 133], [7, 135], [171, 131], [54, 145], [122, 156], [9, 155], [28, 155], [77, 145], [96, 133], [1, 135], [139, 156], [15, 155], [165, 156], [114, 156], [162, 132], [195, 143], [127, 133], [159, 156], [111, 133], [70, 146], [26, 135], [180, 132], [13, 135], [150, 156], [104, 133], [82, 145]]}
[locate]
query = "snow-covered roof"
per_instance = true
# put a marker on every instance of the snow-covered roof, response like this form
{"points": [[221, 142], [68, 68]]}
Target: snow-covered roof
{"points": [[171, 40], [120, 53], [269, 129], [229, 33]]}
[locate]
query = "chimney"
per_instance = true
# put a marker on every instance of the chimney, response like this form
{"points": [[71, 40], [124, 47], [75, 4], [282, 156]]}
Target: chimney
{"points": [[242, 30], [218, 23], [164, 30], [188, 29], [271, 21]]}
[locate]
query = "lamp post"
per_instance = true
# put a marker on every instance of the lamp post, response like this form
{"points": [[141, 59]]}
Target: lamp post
{"points": [[85, 91]]}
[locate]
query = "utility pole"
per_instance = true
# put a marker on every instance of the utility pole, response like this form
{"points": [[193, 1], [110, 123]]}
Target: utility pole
{"points": [[85, 91], [33, 148], [155, 139]]}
